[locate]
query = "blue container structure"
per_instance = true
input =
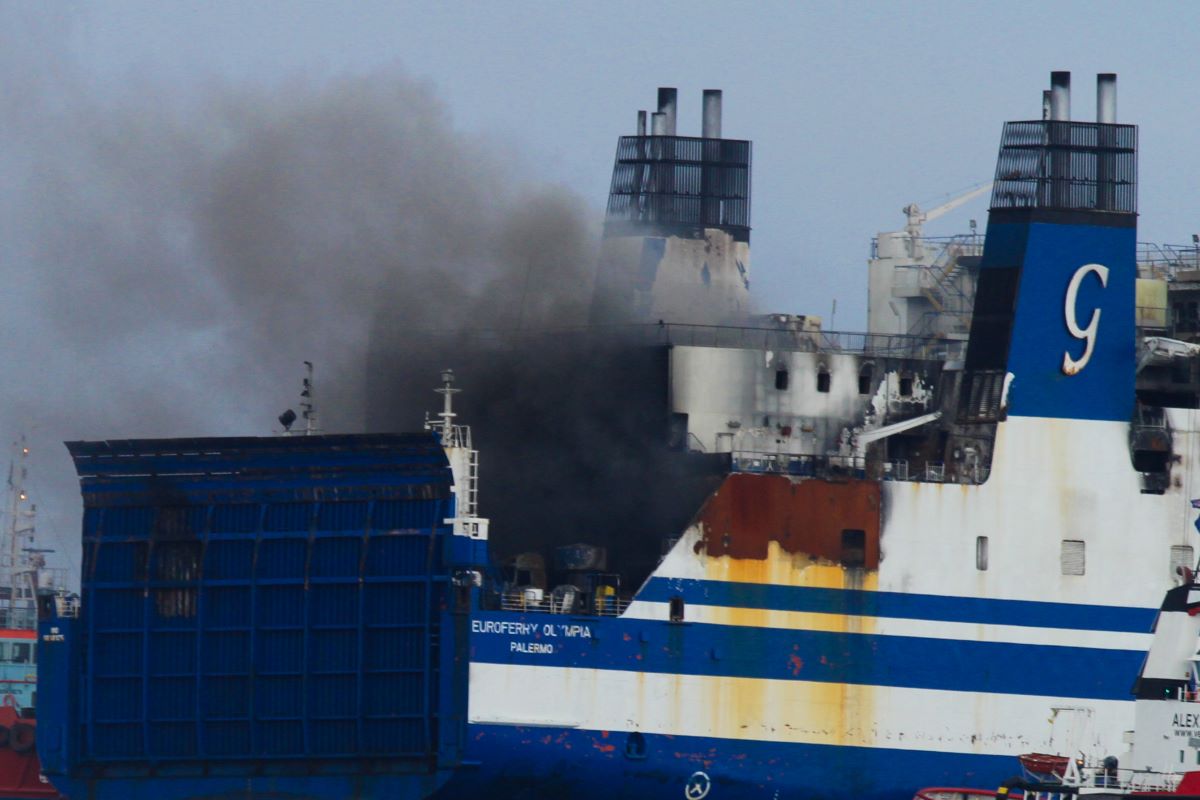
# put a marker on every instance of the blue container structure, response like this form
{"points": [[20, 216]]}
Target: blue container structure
{"points": [[277, 612]]}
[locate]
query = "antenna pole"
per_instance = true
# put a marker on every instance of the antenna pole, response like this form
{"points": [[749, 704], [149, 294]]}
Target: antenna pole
{"points": [[308, 402], [18, 565], [447, 391]]}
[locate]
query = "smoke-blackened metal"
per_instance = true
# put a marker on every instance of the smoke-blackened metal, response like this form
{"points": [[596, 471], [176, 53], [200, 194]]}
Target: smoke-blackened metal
{"points": [[668, 99]]}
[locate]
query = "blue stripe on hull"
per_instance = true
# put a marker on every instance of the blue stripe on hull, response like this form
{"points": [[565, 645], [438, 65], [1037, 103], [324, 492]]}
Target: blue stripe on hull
{"points": [[518, 763], [774, 653], [857, 602], [357, 785]]}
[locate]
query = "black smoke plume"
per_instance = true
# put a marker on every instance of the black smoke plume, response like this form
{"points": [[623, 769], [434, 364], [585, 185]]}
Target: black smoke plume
{"points": [[172, 260]]}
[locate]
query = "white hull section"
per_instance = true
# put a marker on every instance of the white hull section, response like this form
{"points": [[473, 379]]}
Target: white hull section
{"points": [[782, 711]]}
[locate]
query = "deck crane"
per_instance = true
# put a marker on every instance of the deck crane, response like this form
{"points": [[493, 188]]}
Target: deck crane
{"points": [[916, 217]]}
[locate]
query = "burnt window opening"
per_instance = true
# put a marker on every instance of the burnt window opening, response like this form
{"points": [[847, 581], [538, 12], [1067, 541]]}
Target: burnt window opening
{"points": [[906, 386], [854, 548], [676, 613], [864, 380], [823, 380], [635, 745], [781, 379]]}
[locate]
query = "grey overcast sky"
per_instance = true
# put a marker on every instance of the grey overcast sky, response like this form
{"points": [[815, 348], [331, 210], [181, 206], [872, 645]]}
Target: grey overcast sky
{"points": [[855, 108], [122, 317]]}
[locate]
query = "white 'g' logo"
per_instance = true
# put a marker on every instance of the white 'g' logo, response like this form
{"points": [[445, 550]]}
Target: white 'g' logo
{"points": [[1071, 366]]}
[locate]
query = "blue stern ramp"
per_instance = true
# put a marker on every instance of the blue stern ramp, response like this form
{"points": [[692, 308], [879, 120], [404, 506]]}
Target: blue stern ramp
{"points": [[271, 617]]}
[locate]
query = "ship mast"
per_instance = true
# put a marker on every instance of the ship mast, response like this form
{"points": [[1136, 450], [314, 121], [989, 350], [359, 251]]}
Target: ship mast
{"points": [[308, 407], [19, 560], [308, 402]]}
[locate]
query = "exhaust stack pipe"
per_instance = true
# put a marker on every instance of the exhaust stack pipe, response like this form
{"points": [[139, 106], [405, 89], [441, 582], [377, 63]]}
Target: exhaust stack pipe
{"points": [[667, 100], [1106, 98], [641, 128], [658, 124], [1060, 96], [1045, 104], [711, 121]]}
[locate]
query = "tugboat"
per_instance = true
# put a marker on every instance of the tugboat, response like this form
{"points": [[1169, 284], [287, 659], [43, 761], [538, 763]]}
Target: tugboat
{"points": [[23, 575]]}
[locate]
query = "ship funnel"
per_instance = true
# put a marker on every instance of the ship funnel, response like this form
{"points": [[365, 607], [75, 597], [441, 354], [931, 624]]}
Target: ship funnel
{"points": [[1060, 96], [1106, 98], [677, 228], [711, 119], [1062, 223], [667, 101], [641, 128], [1045, 104]]}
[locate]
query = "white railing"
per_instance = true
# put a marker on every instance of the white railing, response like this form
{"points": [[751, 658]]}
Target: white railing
{"points": [[802, 464], [525, 601], [1079, 774]]}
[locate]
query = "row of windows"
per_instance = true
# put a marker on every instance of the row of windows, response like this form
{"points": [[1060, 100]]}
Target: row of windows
{"points": [[1072, 556], [783, 380]]}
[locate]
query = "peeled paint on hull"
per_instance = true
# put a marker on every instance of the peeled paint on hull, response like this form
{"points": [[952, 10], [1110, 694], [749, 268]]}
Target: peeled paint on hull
{"points": [[811, 517]]}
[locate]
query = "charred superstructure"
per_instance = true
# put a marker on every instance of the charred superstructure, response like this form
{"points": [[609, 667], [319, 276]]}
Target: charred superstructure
{"points": [[905, 548], [677, 232]]}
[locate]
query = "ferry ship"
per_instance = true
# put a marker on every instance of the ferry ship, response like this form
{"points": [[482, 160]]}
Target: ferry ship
{"points": [[913, 557]]}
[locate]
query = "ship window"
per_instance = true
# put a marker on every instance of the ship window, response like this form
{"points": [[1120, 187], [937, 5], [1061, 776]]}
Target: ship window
{"points": [[635, 746], [676, 609], [823, 381], [981, 553], [781, 379], [1182, 557], [1072, 557], [21, 653], [4, 657], [864, 380], [906, 382], [854, 548]]}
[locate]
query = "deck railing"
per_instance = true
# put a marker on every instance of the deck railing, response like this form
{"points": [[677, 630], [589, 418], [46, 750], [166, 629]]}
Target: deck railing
{"points": [[576, 604]]}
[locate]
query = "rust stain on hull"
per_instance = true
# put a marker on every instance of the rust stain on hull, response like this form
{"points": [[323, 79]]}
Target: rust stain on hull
{"points": [[808, 517]]}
